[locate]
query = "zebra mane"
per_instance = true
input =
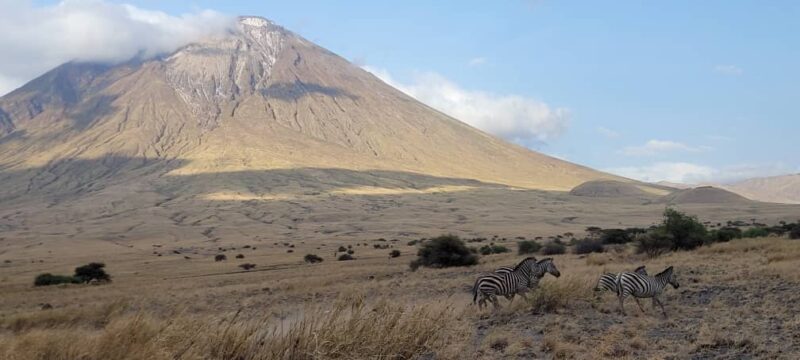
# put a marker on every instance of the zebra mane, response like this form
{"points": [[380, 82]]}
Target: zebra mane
{"points": [[666, 271], [544, 260], [523, 261]]}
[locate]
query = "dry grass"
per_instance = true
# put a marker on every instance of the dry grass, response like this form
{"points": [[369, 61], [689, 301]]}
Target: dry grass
{"points": [[737, 299], [348, 329]]}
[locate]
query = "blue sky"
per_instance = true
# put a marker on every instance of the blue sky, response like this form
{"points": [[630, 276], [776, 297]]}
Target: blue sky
{"points": [[690, 91]]}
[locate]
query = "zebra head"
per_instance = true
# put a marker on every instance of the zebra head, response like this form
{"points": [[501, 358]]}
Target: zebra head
{"points": [[669, 274], [549, 266], [641, 270]]}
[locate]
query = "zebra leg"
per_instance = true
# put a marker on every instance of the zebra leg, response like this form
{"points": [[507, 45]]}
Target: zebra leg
{"points": [[662, 306], [622, 304], [638, 303], [510, 297], [495, 302]]}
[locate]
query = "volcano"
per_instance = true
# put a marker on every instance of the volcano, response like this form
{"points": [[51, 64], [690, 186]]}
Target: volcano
{"points": [[234, 124]]}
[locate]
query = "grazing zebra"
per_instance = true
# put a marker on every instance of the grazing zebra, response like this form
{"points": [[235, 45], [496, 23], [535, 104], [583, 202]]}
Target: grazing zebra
{"points": [[524, 276], [608, 281], [644, 286]]}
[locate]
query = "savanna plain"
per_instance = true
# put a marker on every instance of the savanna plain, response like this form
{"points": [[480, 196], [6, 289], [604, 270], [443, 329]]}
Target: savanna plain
{"points": [[737, 300]]}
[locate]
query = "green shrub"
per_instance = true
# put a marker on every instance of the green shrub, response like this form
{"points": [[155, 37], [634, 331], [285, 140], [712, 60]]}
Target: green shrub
{"points": [[528, 247], [50, 279], [493, 249], [687, 233], [341, 249], [394, 253], [444, 251], [725, 234], [616, 236], [92, 271], [312, 259], [247, 266], [553, 248], [654, 242], [755, 232], [794, 233], [220, 257], [345, 257], [587, 246]]}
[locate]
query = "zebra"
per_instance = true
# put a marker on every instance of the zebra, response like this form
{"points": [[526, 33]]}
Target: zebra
{"points": [[644, 286], [519, 280], [500, 270], [608, 281]]}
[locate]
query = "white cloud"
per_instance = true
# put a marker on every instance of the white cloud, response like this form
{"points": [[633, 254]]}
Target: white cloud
{"points": [[657, 147], [611, 134], [521, 119], [688, 173], [728, 70], [36, 38], [477, 61]]}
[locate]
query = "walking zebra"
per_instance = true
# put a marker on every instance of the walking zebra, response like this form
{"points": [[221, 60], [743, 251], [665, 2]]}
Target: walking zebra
{"points": [[644, 286], [521, 278], [608, 281]]}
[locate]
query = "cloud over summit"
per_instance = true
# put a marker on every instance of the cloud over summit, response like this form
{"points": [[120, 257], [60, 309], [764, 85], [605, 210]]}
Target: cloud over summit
{"points": [[37, 38]]}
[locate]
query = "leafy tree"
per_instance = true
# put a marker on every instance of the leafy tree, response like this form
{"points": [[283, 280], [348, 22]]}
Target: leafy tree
{"points": [[92, 271], [687, 233]]}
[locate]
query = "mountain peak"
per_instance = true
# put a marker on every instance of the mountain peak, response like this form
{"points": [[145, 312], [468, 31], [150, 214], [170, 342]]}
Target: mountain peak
{"points": [[255, 21]]}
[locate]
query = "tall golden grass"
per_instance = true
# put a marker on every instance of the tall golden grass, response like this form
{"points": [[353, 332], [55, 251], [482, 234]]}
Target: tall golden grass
{"points": [[348, 329]]}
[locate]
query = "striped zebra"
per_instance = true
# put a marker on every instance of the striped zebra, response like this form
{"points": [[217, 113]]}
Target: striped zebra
{"points": [[608, 281], [644, 286], [519, 280], [540, 270]]}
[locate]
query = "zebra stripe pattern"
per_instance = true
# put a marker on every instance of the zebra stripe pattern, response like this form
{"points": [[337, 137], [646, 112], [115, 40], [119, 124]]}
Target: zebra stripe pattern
{"points": [[644, 286], [524, 276], [608, 281]]}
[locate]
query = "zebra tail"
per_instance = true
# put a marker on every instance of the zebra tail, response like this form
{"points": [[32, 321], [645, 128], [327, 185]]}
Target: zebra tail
{"points": [[475, 293]]}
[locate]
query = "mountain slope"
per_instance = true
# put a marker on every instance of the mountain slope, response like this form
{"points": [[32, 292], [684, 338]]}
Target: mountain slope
{"points": [[779, 189], [258, 97]]}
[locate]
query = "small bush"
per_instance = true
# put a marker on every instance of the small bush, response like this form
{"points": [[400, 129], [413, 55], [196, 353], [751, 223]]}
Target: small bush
{"points": [[394, 253], [247, 266], [493, 249], [220, 257], [528, 247], [553, 248], [616, 236], [654, 243], [755, 232], [50, 279], [587, 246], [444, 251], [725, 234], [345, 257], [795, 232], [341, 249], [351, 252], [312, 259], [240, 256], [92, 271], [413, 242]]}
